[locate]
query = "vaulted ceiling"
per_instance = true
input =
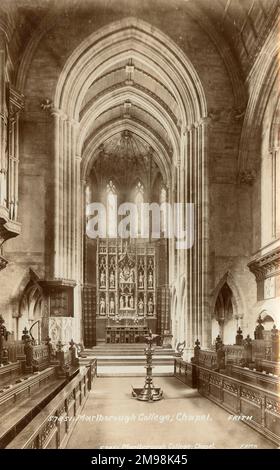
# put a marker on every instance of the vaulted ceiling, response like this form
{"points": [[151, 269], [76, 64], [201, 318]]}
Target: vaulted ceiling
{"points": [[243, 24], [125, 157]]}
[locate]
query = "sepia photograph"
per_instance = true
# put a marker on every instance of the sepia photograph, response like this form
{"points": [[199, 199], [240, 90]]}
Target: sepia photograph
{"points": [[139, 228]]}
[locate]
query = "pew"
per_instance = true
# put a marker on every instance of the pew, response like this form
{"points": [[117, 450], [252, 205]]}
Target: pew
{"points": [[239, 398], [262, 379], [20, 401], [10, 372], [270, 367], [241, 378], [28, 385], [51, 427]]}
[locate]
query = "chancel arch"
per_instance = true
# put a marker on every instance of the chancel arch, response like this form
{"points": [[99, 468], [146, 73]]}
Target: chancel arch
{"points": [[139, 192], [130, 35], [169, 116]]}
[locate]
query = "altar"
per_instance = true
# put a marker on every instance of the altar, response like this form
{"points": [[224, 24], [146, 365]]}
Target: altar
{"points": [[126, 334]]}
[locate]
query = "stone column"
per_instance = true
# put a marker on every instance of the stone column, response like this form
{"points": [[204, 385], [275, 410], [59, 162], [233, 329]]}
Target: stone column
{"points": [[196, 259], [206, 319], [56, 156]]}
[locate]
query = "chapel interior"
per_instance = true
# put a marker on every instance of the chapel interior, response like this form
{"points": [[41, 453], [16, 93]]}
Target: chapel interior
{"points": [[139, 103]]}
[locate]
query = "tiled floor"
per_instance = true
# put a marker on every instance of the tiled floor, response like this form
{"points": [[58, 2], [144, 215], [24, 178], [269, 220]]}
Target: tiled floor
{"points": [[183, 419]]}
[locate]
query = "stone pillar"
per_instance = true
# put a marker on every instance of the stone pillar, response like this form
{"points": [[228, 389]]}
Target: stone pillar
{"points": [[196, 259], [57, 169], [205, 313]]}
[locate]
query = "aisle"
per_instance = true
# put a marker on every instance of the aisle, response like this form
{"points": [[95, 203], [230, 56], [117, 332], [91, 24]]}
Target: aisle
{"points": [[184, 419]]}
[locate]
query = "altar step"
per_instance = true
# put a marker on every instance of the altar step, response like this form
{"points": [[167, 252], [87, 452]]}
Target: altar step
{"points": [[130, 349], [129, 360]]}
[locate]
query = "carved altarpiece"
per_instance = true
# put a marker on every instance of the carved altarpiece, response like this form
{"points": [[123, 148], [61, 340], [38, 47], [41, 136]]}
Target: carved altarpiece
{"points": [[126, 280]]}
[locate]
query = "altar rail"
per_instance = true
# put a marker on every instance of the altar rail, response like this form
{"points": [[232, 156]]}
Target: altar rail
{"points": [[51, 427]]}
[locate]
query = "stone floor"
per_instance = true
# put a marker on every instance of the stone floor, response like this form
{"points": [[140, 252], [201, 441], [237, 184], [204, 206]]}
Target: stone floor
{"points": [[111, 418]]}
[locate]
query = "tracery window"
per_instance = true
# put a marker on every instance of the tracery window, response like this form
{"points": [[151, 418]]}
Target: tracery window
{"points": [[139, 200], [111, 210], [163, 215]]}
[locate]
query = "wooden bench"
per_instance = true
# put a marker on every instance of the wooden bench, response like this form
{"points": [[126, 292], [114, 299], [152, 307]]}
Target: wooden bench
{"points": [[268, 366], [240, 398], [269, 382], [22, 401], [9, 372], [51, 427]]}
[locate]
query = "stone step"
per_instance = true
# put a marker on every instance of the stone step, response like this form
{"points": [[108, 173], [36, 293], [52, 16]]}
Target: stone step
{"points": [[133, 371], [119, 360], [128, 361], [107, 350]]}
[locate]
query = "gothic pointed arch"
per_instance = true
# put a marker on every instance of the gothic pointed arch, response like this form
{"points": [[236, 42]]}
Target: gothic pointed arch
{"points": [[238, 302]]}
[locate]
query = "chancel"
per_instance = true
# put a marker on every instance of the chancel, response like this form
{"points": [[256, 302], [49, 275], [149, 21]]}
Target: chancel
{"points": [[139, 198]]}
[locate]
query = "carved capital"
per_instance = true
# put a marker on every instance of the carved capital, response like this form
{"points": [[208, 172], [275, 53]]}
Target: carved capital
{"points": [[47, 105], [266, 266]]}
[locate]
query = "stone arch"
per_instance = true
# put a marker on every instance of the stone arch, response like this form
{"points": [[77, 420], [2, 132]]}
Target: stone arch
{"points": [[31, 309], [94, 56], [263, 76], [239, 305], [139, 98], [268, 319], [161, 156], [236, 302], [130, 34]]}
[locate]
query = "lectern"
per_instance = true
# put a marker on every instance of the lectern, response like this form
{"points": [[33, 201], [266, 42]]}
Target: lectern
{"points": [[149, 392]]}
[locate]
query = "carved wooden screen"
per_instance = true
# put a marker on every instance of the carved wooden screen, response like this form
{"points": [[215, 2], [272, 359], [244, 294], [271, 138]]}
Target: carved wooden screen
{"points": [[126, 280]]}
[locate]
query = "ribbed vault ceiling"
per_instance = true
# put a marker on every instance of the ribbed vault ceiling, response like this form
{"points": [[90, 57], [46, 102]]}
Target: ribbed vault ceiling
{"points": [[125, 157], [243, 24]]}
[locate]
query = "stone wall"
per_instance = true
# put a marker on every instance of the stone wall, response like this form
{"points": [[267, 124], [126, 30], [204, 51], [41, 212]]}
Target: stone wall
{"points": [[233, 206]]}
